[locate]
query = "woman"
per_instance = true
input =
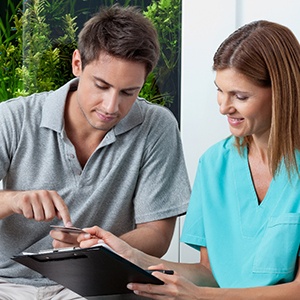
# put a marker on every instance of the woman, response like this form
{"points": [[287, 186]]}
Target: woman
{"points": [[244, 212]]}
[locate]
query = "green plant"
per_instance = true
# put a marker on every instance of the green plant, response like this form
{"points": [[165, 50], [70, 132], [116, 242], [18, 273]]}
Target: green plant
{"points": [[10, 52], [151, 92], [166, 17], [31, 59], [125, 2], [46, 61]]}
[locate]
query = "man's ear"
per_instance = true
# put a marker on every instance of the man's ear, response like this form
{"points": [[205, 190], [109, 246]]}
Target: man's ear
{"points": [[76, 63]]}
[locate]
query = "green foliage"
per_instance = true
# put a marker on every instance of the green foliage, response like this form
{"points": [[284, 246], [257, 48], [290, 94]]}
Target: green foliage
{"points": [[166, 17], [31, 59], [150, 91], [10, 52], [124, 2], [46, 61]]}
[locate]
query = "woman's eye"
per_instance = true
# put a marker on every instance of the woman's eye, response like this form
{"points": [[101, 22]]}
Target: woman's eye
{"points": [[241, 97]]}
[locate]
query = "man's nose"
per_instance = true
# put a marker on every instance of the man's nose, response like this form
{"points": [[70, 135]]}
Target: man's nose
{"points": [[111, 102]]}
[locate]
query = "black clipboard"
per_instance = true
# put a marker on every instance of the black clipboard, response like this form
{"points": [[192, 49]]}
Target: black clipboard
{"points": [[94, 271]]}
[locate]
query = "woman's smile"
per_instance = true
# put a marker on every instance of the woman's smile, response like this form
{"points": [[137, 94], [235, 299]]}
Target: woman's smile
{"points": [[235, 121]]}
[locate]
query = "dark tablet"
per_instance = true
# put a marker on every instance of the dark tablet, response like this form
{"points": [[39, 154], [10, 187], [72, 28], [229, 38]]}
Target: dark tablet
{"points": [[91, 271]]}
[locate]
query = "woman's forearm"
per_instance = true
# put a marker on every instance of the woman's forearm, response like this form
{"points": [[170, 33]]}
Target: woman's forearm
{"points": [[196, 272]]}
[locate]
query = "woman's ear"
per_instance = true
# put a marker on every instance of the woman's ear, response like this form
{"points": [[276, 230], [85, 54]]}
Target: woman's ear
{"points": [[76, 63]]}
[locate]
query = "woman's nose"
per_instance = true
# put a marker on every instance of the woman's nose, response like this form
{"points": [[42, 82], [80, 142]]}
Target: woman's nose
{"points": [[225, 105]]}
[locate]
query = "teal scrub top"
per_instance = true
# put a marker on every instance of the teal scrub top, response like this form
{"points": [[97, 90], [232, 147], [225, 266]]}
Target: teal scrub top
{"points": [[248, 244]]}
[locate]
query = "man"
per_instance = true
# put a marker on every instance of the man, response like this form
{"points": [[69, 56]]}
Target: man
{"points": [[90, 153]]}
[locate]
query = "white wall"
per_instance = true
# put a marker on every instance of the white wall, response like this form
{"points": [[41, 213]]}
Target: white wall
{"points": [[205, 25]]}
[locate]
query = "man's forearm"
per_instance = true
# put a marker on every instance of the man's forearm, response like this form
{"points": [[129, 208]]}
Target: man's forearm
{"points": [[147, 240], [5, 198], [153, 238]]}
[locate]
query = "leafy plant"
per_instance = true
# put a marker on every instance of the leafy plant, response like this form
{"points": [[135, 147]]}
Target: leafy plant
{"points": [[31, 59], [10, 52], [124, 2], [166, 17], [46, 61], [151, 92]]}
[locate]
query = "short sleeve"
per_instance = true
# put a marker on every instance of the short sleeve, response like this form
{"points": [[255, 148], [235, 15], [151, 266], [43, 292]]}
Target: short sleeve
{"points": [[193, 230], [163, 189]]}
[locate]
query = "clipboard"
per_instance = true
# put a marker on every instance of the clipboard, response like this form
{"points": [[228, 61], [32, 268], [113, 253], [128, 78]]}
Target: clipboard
{"points": [[94, 271]]}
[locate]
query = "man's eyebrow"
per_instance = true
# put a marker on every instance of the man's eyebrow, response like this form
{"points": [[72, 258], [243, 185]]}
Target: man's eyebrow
{"points": [[102, 80], [126, 89], [132, 88]]}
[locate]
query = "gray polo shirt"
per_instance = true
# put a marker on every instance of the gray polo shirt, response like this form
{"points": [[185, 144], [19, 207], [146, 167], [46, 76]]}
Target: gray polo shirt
{"points": [[137, 173]]}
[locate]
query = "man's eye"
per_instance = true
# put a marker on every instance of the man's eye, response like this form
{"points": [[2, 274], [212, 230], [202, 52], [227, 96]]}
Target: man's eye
{"points": [[127, 93], [101, 87]]}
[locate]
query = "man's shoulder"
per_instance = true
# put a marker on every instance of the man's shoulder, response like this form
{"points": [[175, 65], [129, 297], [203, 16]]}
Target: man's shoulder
{"points": [[153, 110], [31, 102], [38, 99], [150, 105]]}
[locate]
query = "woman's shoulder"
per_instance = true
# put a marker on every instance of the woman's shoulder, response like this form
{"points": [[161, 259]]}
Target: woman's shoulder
{"points": [[220, 148], [219, 157]]}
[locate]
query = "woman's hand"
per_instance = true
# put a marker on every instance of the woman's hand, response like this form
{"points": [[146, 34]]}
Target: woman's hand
{"points": [[97, 235], [175, 287]]}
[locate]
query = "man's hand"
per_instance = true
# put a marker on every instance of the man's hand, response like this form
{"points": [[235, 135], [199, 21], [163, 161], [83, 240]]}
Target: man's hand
{"points": [[63, 239], [40, 205]]}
